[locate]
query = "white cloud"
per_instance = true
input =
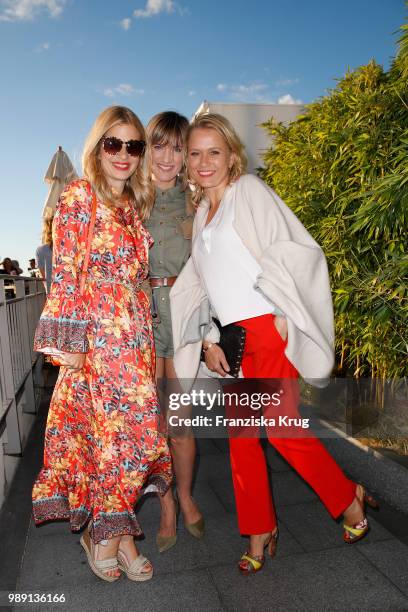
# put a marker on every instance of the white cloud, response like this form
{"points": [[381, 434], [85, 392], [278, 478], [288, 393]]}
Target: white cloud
{"points": [[244, 92], [248, 90], [125, 23], [288, 99], [26, 10], [124, 89], [45, 46], [192, 92], [286, 82], [154, 7], [256, 91]]}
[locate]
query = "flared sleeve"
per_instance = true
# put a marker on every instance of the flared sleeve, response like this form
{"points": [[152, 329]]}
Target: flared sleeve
{"points": [[294, 277], [64, 322]]}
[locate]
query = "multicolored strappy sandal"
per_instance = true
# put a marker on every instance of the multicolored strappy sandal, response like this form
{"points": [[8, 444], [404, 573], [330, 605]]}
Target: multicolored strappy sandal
{"points": [[250, 564], [370, 500], [273, 544], [354, 533]]}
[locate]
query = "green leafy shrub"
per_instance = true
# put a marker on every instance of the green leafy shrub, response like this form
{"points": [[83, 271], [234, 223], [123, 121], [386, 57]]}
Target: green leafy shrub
{"points": [[343, 169]]}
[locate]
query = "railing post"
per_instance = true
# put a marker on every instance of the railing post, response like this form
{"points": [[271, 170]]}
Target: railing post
{"points": [[28, 403], [9, 405]]}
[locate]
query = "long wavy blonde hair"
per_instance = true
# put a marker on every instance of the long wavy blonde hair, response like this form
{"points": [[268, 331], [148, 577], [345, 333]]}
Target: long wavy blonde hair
{"points": [[138, 188], [220, 124], [46, 234]]}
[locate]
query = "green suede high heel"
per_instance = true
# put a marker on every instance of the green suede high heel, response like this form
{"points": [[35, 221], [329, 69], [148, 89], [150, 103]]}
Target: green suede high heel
{"points": [[197, 529]]}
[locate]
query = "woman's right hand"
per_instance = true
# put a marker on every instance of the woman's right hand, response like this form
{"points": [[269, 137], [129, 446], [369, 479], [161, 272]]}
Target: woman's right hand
{"points": [[215, 360]]}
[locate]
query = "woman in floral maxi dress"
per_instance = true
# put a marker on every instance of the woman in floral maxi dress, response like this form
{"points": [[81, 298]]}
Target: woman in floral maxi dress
{"points": [[103, 442]]}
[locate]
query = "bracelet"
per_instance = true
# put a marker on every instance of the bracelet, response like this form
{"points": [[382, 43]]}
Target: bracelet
{"points": [[205, 349]]}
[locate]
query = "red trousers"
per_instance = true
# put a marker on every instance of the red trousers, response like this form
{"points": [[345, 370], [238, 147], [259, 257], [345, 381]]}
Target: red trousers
{"points": [[264, 358]]}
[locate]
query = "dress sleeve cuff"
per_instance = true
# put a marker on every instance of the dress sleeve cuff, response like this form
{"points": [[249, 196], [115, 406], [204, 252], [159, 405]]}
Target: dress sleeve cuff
{"points": [[66, 335]]}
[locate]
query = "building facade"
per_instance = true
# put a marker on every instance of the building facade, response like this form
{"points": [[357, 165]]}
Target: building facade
{"points": [[247, 119]]}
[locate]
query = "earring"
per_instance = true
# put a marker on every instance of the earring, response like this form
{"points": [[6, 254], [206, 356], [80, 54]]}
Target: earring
{"points": [[192, 185]]}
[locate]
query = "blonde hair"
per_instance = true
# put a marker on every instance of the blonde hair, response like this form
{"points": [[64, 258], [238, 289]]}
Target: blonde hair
{"points": [[46, 232], [224, 128], [138, 188], [163, 128]]}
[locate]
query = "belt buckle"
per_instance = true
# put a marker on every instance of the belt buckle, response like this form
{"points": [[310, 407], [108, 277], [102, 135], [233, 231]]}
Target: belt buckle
{"points": [[165, 281]]}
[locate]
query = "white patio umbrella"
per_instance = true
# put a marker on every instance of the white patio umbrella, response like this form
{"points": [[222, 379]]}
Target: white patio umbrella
{"points": [[59, 173]]}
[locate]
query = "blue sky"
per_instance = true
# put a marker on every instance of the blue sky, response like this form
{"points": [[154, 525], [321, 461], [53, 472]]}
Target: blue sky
{"points": [[63, 61]]}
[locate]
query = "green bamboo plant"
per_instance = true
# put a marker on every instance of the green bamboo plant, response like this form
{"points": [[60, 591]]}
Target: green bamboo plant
{"points": [[343, 168]]}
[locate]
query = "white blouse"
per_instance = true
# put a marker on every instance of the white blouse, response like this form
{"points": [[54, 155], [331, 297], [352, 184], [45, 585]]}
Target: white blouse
{"points": [[227, 269]]}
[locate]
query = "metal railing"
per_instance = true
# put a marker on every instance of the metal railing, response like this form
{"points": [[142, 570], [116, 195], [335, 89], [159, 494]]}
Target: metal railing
{"points": [[21, 303]]}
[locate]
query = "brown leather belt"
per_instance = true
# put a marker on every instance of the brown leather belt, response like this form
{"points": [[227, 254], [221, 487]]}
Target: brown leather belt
{"points": [[166, 281]]}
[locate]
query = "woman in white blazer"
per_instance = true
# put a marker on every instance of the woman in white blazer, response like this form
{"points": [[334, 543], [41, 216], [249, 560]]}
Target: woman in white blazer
{"points": [[255, 264]]}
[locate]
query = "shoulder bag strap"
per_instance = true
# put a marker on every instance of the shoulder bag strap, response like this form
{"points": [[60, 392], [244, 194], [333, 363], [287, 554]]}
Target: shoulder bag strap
{"points": [[88, 244]]}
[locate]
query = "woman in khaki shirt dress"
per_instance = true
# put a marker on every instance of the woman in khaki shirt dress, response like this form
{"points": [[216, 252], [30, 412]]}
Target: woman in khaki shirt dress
{"points": [[170, 225]]}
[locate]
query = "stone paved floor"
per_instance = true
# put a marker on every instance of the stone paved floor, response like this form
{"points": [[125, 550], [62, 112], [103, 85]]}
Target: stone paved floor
{"points": [[313, 569]]}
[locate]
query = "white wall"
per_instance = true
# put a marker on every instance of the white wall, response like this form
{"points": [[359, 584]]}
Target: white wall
{"points": [[247, 118]]}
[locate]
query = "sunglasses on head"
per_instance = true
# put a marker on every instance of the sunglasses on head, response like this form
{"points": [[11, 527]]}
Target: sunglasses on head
{"points": [[113, 145]]}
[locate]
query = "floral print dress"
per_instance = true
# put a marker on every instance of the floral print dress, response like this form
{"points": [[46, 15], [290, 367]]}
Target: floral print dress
{"points": [[103, 441]]}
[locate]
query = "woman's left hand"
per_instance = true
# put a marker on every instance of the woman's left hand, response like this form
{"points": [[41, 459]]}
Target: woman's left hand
{"points": [[73, 361], [215, 360]]}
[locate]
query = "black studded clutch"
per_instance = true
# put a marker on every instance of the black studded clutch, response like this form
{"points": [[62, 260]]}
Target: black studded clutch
{"points": [[232, 342]]}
